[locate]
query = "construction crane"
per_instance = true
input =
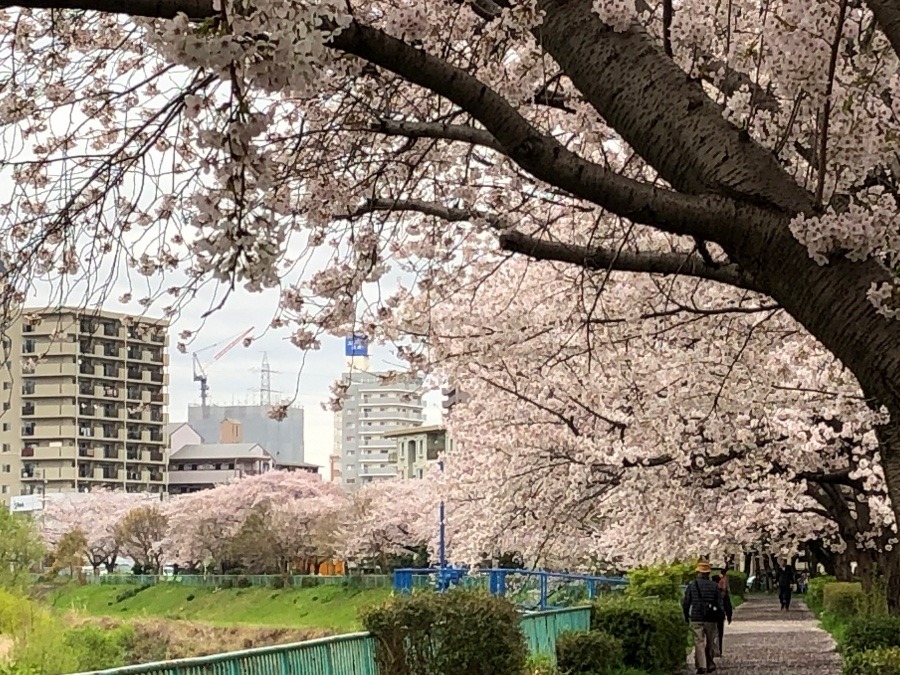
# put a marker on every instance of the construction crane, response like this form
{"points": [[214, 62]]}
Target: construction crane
{"points": [[200, 369]]}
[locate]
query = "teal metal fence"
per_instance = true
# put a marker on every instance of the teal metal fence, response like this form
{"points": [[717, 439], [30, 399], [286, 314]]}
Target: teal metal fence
{"points": [[542, 628], [258, 580], [352, 654]]}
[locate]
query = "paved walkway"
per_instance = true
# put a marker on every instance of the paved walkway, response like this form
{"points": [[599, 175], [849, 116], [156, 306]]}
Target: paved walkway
{"points": [[762, 640]]}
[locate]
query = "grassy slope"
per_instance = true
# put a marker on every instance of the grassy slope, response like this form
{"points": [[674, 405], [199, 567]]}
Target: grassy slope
{"points": [[332, 608]]}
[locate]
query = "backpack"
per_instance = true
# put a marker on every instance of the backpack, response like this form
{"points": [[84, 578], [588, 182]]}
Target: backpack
{"points": [[711, 612]]}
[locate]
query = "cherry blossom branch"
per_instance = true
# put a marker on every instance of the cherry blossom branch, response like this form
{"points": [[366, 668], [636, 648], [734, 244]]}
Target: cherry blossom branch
{"points": [[449, 132], [596, 258], [738, 167], [447, 213], [708, 217]]}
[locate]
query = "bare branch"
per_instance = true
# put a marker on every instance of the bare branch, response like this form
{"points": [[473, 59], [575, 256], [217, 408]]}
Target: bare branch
{"points": [[691, 265], [449, 132]]}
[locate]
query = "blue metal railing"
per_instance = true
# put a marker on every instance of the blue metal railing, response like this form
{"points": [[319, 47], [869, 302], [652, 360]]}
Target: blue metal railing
{"points": [[544, 585]]}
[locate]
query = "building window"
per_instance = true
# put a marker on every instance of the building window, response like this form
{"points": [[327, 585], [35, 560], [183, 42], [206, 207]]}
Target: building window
{"points": [[6, 426], [7, 468], [28, 346], [4, 489], [6, 405], [6, 447], [7, 386]]}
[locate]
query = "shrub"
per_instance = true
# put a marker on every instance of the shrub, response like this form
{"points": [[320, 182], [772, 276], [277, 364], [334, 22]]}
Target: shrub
{"points": [[460, 632], [538, 664], [815, 592], [653, 634], [137, 569], [876, 632], [243, 582], [660, 581], [590, 652], [874, 662], [842, 599], [190, 597], [737, 583], [226, 583], [97, 648], [277, 582]]}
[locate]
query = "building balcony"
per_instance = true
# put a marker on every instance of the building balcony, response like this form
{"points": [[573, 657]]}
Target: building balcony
{"points": [[54, 368], [154, 456], [380, 457], [378, 471]]}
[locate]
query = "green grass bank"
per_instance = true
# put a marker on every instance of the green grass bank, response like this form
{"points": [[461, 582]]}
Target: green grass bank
{"points": [[330, 608]]}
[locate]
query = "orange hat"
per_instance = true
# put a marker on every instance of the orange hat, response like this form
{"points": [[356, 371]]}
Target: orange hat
{"points": [[704, 568]]}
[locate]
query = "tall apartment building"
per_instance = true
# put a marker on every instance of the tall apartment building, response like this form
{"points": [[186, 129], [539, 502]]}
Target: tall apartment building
{"points": [[373, 405], [84, 397]]}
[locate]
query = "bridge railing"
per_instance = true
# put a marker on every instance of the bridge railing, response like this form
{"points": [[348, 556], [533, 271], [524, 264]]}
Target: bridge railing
{"points": [[352, 654], [529, 588]]}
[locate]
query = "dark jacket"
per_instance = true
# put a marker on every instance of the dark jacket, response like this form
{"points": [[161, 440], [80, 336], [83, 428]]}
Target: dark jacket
{"points": [[699, 594], [785, 577]]}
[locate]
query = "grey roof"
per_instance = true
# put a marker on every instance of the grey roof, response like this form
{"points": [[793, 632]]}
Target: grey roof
{"points": [[299, 465], [172, 427], [414, 431], [220, 451]]}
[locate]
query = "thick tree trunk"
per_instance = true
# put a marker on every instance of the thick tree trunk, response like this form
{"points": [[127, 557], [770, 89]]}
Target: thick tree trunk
{"points": [[866, 569]]}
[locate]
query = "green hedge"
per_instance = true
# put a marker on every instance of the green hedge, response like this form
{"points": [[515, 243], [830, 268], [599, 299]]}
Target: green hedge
{"points": [[737, 583], [659, 581], [866, 633], [816, 590], [654, 635], [874, 662], [461, 632], [589, 652], [842, 599]]}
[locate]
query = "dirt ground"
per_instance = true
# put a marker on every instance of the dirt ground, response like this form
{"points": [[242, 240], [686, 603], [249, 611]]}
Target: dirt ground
{"points": [[162, 640]]}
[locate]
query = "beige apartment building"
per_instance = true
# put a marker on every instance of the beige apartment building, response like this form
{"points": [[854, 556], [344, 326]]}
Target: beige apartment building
{"points": [[84, 399]]}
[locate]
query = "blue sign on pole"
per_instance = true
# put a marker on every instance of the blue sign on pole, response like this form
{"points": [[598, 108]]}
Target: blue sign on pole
{"points": [[356, 345]]}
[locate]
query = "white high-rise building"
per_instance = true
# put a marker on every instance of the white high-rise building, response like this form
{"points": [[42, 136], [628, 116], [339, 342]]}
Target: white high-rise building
{"points": [[375, 403]]}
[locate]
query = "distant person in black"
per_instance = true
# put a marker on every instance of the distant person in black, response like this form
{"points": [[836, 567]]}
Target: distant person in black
{"points": [[786, 578], [728, 610], [702, 606]]}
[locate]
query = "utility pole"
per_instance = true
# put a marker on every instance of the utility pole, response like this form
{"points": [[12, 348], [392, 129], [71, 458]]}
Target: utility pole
{"points": [[265, 381]]}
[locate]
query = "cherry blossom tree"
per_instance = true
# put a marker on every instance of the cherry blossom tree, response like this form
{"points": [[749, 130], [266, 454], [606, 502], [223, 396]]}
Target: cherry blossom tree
{"points": [[96, 515], [635, 432], [141, 533], [390, 519], [743, 145], [292, 512]]}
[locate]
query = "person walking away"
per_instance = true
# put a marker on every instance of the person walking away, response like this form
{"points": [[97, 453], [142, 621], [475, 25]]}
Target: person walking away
{"points": [[702, 606], [786, 576], [727, 610]]}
